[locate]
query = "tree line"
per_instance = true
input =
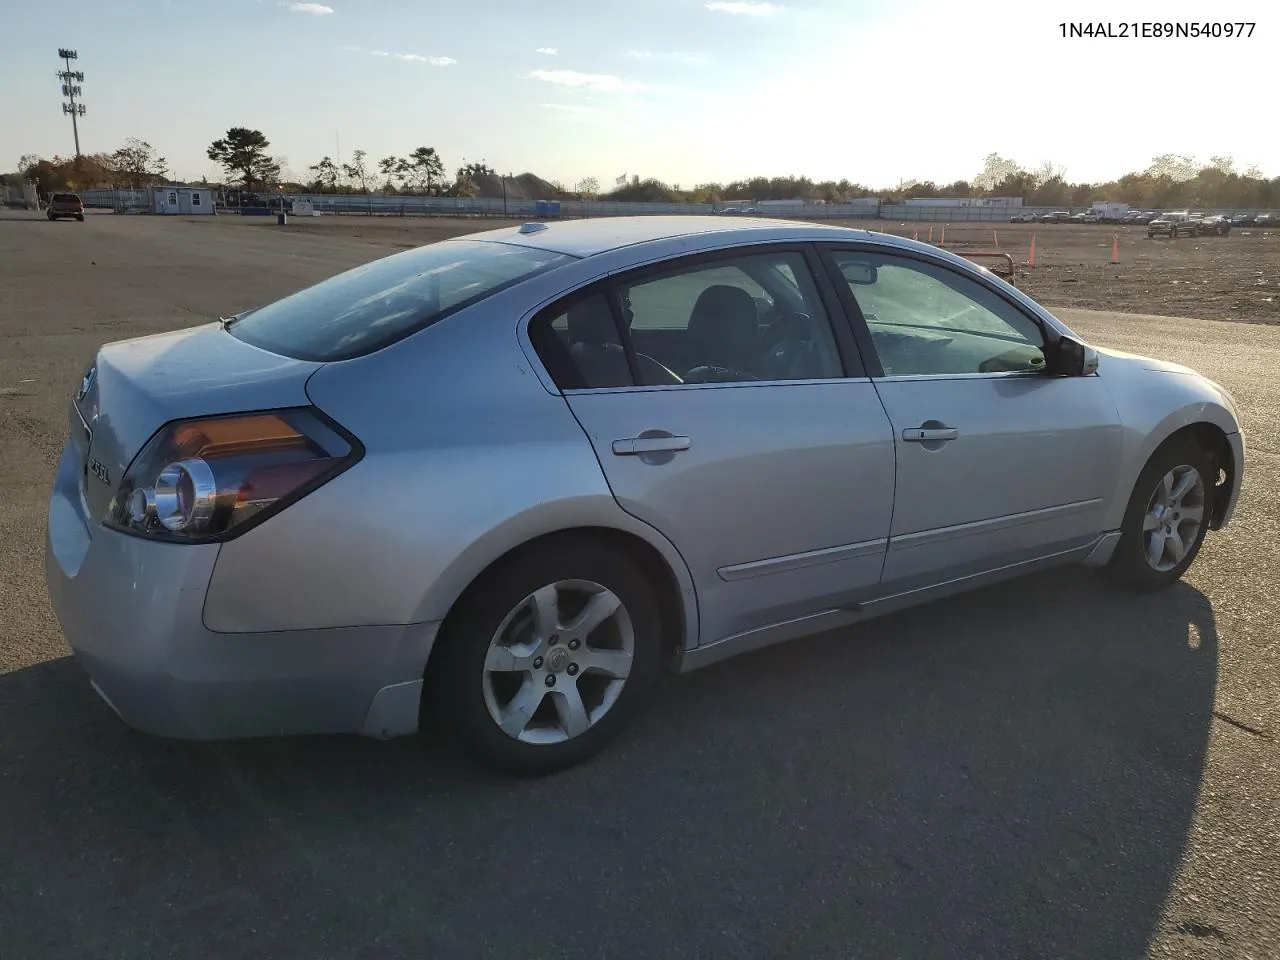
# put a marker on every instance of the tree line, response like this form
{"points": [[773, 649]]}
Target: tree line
{"points": [[134, 164], [1169, 181]]}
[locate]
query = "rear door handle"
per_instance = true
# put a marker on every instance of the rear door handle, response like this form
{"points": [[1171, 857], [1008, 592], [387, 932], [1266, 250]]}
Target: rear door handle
{"points": [[927, 434], [638, 446]]}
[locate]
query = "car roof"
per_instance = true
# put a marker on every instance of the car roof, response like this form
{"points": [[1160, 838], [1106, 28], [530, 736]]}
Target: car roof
{"points": [[585, 238]]}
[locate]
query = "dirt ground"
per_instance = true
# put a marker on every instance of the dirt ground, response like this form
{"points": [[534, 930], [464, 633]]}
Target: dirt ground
{"points": [[1236, 277], [1048, 768]]}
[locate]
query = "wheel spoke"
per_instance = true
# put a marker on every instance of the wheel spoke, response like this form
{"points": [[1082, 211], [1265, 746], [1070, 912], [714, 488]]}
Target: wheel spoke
{"points": [[571, 710], [1183, 486], [1173, 543], [1191, 514], [1150, 522], [612, 663], [598, 609], [503, 659], [516, 715], [1155, 548], [546, 612], [1165, 490]]}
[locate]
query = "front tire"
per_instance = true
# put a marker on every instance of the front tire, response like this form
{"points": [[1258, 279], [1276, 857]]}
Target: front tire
{"points": [[1167, 517], [547, 657]]}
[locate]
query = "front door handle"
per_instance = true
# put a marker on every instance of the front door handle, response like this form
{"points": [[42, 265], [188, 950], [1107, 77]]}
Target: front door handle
{"points": [[929, 434], [639, 446]]}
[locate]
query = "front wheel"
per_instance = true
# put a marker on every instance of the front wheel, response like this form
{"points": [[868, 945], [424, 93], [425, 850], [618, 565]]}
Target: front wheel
{"points": [[1167, 517], [547, 657]]}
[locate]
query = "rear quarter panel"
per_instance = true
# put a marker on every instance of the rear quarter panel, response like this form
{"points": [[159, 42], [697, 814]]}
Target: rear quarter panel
{"points": [[468, 455]]}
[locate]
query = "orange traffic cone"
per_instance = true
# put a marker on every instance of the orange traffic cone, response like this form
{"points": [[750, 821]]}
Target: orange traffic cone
{"points": [[943, 242], [1031, 257], [1115, 248], [931, 233], [995, 237]]}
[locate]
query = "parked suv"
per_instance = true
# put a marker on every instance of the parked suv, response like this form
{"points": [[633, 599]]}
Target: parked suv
{"points": [[65, 205], [1172, 225]]}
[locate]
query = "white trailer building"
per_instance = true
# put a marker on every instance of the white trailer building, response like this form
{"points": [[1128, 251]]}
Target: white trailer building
{"points": [[183, 200]]}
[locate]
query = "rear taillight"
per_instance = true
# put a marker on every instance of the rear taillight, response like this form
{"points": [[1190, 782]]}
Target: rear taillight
{"points": [[209, 479]]}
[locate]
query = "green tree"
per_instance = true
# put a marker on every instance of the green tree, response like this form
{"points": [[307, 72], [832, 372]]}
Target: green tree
{"points": [[326, 174], [243, 154], [394, 170], [424, 168], [357, 171]]}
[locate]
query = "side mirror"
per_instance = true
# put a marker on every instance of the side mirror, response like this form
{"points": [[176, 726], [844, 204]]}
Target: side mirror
{"points": [[1076, 359]]}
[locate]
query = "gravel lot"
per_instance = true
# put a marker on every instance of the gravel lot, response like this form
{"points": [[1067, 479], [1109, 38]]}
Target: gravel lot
{"points": [[1049, 768]]}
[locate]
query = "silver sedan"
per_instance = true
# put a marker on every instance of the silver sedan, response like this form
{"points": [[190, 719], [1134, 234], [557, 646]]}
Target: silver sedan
{"points": [[516, 476]]}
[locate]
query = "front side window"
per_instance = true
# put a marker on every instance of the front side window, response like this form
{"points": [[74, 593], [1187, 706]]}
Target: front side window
{"points": [[926, 320], [371, 306], [757, 317]]}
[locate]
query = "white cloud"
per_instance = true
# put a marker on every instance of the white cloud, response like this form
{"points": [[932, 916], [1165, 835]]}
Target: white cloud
{"points": [[315, 9], [750, 8], [672, 57], [571, 108], [412, 57], [599, 82], [548, 51]]}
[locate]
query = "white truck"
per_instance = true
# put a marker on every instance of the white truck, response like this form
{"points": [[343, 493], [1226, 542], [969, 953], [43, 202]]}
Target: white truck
{"points": [[1108, 212]]}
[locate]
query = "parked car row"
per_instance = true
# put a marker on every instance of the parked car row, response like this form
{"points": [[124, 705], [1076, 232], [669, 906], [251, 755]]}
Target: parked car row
{"points": [[1184, 224], [1221, 223]]}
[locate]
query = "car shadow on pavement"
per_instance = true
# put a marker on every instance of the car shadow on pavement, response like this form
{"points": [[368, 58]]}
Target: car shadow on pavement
{"points": [[1009, 773]]}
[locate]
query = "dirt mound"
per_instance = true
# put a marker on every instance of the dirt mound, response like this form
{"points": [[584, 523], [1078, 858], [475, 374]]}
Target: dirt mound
{"points": [[526, 186]]}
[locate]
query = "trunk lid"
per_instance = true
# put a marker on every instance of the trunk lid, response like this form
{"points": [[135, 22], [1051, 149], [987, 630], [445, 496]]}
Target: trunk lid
{"points": [[136, 386]]}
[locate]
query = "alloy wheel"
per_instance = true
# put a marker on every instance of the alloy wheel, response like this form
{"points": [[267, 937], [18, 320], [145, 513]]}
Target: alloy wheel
{"points": [[1174, 516], [558, 662]]}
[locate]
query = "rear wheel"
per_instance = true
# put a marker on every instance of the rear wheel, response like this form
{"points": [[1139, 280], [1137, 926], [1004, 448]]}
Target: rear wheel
{"points": [[80, 217], [1167, 517], [547, 657], [52, 217]]}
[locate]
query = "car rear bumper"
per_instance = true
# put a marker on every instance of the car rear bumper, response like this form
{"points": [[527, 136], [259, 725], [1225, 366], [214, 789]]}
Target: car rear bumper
{"points": [[131, 609]]}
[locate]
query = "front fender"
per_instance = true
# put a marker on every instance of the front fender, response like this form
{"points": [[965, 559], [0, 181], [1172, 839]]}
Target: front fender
{"points": [[1155, 401]]}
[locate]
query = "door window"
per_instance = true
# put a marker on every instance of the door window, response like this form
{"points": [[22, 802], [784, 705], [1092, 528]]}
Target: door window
{"points": [[750, 318], [926, 320]]}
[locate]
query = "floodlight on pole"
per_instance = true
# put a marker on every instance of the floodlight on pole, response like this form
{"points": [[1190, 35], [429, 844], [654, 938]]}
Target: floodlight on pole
{"points": [[71, 89]]}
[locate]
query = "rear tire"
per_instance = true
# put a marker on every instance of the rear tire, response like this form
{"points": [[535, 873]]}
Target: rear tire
{"points": [[51, 217], [526, 673], [1167, 517], [80, 217]]}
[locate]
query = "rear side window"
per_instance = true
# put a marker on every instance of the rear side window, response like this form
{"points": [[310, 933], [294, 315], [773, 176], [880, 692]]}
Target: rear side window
{"points": [[367, 308], [580, 346]]}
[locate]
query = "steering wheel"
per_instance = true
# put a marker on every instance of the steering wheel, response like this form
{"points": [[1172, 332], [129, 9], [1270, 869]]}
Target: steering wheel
{"points": [[787, 344]]}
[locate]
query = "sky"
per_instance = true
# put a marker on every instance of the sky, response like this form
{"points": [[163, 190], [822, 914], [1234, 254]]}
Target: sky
{"points": [[688, 91]]}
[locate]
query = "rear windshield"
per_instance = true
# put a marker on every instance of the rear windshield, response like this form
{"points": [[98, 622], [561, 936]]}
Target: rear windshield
{"points": [[367, 308], [65, 198]]}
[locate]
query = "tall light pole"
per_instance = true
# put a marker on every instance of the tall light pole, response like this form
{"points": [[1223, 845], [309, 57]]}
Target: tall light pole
{"points": [[71, 80]]}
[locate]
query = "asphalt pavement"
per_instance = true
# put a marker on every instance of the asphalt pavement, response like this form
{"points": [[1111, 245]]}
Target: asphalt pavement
{"points": [[1049, 768]]}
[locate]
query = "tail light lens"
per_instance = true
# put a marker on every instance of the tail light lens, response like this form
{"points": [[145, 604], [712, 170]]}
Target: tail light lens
{"points": [[214, 478]]}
